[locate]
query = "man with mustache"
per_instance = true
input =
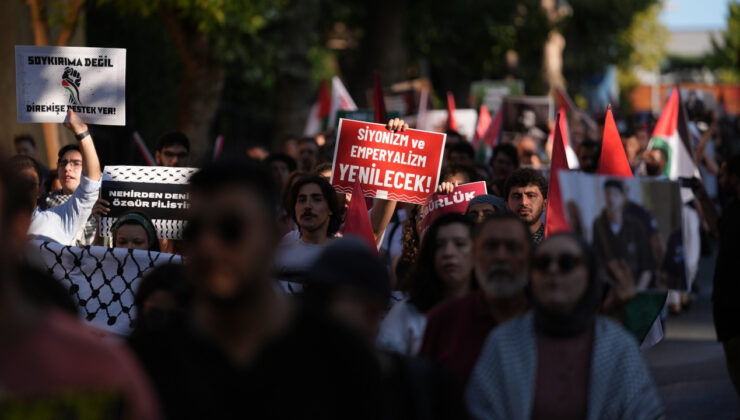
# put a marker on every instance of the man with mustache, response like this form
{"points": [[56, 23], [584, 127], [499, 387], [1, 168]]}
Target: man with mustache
{"points": [[457, 329], [526, 197]]}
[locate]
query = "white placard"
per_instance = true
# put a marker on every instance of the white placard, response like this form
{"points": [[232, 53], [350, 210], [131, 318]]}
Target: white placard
{"points": [[90, 81]]}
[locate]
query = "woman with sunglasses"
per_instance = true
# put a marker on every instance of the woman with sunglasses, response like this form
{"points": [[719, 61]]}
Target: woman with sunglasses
{"points": [[562, 360], [443, 270]]}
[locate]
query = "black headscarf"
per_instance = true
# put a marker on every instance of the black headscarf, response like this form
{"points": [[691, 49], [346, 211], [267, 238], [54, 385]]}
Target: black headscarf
{"points": [[583, 314]]}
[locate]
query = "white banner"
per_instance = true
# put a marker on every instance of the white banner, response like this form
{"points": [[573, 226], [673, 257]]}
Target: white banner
{"points": [[90, 81], [103, 281]]}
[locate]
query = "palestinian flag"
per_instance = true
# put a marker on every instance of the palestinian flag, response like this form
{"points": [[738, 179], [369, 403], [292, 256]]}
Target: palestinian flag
{"points": [[340, 101], [318, 117], [671, 134]]}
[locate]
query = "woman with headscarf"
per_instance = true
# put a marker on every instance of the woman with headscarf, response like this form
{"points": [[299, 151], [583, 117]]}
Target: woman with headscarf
{"points": [[562, 360], [134, 231]]}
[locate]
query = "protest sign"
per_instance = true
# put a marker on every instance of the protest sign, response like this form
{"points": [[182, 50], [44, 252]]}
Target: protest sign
{"points": [[89, 81], [103, 281], [402, 166], [527, 116], [491, 93], [158, 192], [455, 202], [647, 215], [467, 120]]}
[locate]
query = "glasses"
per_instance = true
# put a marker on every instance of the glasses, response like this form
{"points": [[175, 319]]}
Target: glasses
{"points": [[229, 228], [74, 162], [171, 155], [565, 262]]}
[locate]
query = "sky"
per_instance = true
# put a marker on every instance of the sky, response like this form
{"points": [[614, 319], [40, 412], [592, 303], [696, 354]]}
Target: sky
{"points": [[694, 14]]}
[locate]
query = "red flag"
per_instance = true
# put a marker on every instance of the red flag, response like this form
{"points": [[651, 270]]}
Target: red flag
{"points": [[324, 100], [145, 153], [613, 160], [218, 147], [357, 222], [484, 120], [492, 134], [380, 115], [556, 221], [451, 121]]}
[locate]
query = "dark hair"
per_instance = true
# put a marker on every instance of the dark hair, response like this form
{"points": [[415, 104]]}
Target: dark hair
{"points": [[462, 147], [454, 134], [335, 220], [614, 183], [733, 165], [25, 137], [282, 157], [449, 170], [502, 217], [663, 152], [427, 288], [171, 139], [523, 177], [241, 173], [19, 189], [409, 249], [307, 140], [509, 150], [140, 219], [68, 148], [167, 277], [321, 167]]}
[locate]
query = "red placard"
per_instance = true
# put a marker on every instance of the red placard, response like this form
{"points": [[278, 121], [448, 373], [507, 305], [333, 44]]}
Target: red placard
{"points": [[402, 166], [455, 202]]}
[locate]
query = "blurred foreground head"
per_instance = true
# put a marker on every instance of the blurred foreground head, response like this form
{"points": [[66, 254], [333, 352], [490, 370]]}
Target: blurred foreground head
{"points": [[501, 251], [231, 235], [349, 281]]}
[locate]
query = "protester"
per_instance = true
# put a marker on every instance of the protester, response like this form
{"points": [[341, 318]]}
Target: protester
{"points": [[726, 286], [411, 241], [588, 153], [458, 174], [62, 223], [482, 206], [173, 149], [562, 360], [69, 171], [442, 271], [526, 197], [25, 145], [349, 285], [308, 154], [281, 166], [134, 230], [655, 161], [503, 162], [49, 361], [528, 153], [456, 329], [461, 154], [162, 298]]}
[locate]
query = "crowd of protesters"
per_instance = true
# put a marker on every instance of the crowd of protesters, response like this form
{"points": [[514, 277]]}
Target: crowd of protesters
{"points": [[274, 314]]}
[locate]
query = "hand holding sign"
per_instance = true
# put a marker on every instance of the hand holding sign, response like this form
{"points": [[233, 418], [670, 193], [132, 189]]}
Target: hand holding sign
{"points": [[389, 161]]}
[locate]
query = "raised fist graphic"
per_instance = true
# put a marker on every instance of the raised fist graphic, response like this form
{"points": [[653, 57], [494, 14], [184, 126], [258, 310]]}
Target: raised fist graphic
{"points": [[71, 81]]}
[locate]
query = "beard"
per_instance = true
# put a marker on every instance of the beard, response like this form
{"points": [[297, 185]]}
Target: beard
{"points": [[500, 281]]}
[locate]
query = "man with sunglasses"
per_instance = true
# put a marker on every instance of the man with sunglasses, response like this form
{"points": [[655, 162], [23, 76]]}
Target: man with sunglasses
{"points": [[173, 150], [69, 172], [79, 172], [456, 330]]}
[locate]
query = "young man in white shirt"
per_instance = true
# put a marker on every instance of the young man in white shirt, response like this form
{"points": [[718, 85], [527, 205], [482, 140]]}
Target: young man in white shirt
{"points": [[62, 223]]}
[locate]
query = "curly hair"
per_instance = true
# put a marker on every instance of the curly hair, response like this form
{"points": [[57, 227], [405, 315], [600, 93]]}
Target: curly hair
{"points": [[330, 196], [410, 241], [523, 177]]}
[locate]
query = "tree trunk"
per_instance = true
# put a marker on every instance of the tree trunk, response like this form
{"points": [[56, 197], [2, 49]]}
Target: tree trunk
{"points": [[199, 91]]}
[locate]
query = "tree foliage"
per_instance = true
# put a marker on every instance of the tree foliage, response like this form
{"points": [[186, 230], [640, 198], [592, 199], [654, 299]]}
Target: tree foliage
{"points": [[725, 55]]}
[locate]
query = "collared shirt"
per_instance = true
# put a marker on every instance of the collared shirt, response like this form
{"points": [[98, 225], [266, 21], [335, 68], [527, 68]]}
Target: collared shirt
{"points": [[455, 333], [61, 224], [84, 237], [538, 235]]}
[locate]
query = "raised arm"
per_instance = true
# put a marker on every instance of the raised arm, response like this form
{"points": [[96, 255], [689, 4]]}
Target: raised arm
{"points": [[383, 210], [90, 161]]}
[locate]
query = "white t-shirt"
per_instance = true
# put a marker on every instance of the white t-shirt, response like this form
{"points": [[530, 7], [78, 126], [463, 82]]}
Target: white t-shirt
{"points": [[402, 330]]}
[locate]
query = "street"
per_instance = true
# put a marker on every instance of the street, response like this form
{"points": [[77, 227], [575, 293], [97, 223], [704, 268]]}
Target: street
{"points": [[688, 366]]}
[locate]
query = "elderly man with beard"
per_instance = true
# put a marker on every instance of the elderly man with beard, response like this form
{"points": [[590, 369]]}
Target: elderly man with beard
{"points": [[526, 197], [456, 330]]}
